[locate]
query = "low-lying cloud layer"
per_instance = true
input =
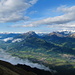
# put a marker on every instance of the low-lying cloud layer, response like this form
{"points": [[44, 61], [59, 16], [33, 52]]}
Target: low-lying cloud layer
{"points": [[12, 10], [15, 60]]}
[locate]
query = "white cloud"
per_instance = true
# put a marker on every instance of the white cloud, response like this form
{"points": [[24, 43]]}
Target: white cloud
{"points": [[66, 26], [66, 9], [63, 21], [6, 39], [23, 25], [16, 40], [33, 1], [12, 10], [55, 20]]}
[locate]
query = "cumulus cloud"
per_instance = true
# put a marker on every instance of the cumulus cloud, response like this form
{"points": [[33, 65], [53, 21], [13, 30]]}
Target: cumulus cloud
{"points": [[12, 10], [64, 21]]}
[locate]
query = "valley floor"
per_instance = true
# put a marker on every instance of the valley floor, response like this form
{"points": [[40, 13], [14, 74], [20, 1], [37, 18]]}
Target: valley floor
{"points": [[64, 64]]}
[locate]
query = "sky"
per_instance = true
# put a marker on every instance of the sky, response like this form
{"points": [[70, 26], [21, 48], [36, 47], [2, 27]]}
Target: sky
{"points": [[37, 15]]}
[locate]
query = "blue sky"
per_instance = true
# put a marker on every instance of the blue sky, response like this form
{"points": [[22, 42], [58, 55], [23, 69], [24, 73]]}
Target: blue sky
{"points": [[37, 15]]}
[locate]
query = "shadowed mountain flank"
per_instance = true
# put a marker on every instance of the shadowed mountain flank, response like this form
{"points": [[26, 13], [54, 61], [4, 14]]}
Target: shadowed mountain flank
{"points": [[9, 69]]}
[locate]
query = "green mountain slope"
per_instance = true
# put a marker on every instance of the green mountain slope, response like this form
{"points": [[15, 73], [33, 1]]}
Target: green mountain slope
{"points": [[61, 40], [32, 44]]}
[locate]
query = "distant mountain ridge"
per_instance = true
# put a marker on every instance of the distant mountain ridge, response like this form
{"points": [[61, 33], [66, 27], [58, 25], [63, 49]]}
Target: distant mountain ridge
{"points": [[31, 41], [55, 41], [60, 34]]}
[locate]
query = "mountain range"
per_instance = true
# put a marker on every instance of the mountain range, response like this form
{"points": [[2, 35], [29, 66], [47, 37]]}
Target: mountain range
{"points": [[62, 42], [56, 48]]}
